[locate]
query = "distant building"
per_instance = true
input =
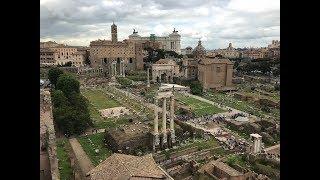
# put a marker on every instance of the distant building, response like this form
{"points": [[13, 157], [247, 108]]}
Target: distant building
{"points": [[190, 68], [274, 44], [215, 73], [48, 44], [164, 70], [274, 49], [168, 43], [186, 51], [253, 53], [52, 53], [48, 57], [116, 57], [121, 166], [229, 52]]}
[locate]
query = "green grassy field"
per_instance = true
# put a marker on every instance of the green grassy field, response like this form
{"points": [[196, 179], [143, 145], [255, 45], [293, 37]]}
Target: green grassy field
{"points": [[111, 122], [199, 108], [240, 105], [97, 143], [99, 99], [65, 169]]}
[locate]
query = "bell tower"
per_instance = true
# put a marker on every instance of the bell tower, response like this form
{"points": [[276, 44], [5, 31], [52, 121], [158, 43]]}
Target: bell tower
{"points": [[114, 36]]}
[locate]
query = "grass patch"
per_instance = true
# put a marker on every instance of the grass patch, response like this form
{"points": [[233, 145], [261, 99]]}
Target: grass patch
{"points": [[97, 142], [64, 165], [99, 99], [199, 108], [107, 123], [246, 106], [236, 159]]}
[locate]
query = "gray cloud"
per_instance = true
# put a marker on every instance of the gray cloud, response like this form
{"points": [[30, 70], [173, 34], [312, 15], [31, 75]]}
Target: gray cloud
{"points": [[216, 22]]}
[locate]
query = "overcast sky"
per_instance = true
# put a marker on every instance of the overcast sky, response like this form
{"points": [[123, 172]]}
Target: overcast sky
{"points": [[245, 23]]}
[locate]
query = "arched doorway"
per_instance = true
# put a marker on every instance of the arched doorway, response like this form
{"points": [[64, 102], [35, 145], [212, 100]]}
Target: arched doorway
{"points": [[163, 77]]}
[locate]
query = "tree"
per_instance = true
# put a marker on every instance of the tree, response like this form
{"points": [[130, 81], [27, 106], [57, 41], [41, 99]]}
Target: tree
{"points": [[68, 84], [70, 121], [196, 88], [54, 74], [59, 99]]}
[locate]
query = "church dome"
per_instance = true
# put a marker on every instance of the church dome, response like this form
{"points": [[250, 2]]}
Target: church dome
{"points": [[199, 51]]}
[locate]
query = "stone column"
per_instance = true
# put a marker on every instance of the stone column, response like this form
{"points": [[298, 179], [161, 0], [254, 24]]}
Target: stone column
{"points": [[155, 125], [167, 78], [148, 78], [164, 120], [172, 120], [186, 72], [120, 68], [123, 69], [115, 69]]}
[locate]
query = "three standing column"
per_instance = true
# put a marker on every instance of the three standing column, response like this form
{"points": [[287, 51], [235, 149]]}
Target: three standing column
{"points": [[155, 125], [164, 121], [172, 120]]}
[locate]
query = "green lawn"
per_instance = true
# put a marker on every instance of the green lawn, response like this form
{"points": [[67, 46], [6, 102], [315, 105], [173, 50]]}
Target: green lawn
{"points": [[111, 122], [240, 105], [236, 159], [199, 108], [97, 143], [65, 169], [99, 99]]}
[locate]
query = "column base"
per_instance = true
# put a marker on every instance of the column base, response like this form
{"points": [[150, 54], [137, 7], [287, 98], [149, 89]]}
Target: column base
{"points": [[173, 137], [164, 140], [156, 141]]}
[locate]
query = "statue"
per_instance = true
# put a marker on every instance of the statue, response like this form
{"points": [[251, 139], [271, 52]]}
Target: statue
{"points": [[174, 30], [134, 31]]}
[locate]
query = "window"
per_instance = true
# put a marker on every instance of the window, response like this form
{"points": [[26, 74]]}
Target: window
{"points": [[130, 60], [218, 69]]}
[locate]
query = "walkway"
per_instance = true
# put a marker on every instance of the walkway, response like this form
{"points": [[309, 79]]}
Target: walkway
{"points": [[81, 157]]}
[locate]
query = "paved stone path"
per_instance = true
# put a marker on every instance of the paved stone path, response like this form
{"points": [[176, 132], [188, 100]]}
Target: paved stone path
{"points": [[81, 157]]}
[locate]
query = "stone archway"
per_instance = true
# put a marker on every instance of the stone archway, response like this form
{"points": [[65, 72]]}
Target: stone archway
{"points": [[163, 77]]}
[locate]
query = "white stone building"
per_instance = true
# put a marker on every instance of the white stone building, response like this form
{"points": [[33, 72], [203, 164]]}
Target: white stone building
{"points": [[168, 43]]}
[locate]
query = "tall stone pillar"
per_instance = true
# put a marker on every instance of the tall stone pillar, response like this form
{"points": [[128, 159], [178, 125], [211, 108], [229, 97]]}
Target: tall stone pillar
{"points": [[155, 126], [167, 78], [257, 143], [115, 69], [148, 78], [172, 120], [164, 121], [120, 68], [123, 69], [186, 72]]}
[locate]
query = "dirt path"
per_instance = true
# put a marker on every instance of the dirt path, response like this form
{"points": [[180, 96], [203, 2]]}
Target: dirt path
{"points": [[81, 157]]}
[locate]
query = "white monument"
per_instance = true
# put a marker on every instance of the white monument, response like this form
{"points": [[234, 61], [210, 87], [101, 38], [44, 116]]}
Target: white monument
{"points": [[257, 139]]}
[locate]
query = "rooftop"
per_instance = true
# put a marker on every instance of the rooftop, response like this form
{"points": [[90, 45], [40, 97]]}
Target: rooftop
{"points": [[122, 166], [215, 60]]}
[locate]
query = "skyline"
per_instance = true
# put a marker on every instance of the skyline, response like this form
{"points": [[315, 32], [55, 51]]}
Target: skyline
{"points": [[244, 23]]}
